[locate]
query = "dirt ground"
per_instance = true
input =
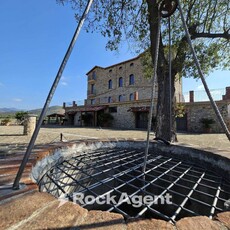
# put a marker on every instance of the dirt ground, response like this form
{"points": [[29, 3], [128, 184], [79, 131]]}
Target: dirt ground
{"points": [[12, 138]]}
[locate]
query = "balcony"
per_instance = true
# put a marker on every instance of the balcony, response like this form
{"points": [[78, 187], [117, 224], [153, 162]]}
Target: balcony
{"points": [[91, 93], [92, 78]]}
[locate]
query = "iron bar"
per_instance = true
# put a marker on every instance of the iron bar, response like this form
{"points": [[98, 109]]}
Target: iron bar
{"points": [[153, 86], [118, 166], [170, 79], [213, 104], [146, 184], [122, 173], [172, 184], [50, 96], [107, 172], [187, 197], [215, 202]]}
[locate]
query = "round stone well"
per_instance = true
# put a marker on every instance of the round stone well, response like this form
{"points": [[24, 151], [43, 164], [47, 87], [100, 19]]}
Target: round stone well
{"points": [[107, 175]]}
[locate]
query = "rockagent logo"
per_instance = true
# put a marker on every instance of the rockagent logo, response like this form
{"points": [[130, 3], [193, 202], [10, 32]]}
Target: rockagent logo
{"points": [[136, 200]]}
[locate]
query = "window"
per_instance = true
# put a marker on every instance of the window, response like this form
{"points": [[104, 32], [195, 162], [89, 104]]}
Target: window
{"points": [[110, 84], [93, 102], [131, 79], [131, 64], [113, 109], [94, 75], [131, 97], [92, 88], [120, 82], [110, 71], [120, 67], [109, 99], [120, 98]]}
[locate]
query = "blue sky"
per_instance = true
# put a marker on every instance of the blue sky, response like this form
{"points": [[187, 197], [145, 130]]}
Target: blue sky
{"points": [[34, 37]]}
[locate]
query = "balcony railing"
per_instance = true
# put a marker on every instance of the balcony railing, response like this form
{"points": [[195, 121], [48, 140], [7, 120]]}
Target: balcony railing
{"points": [[91, 92], [201, 95], [73, 103], [92, 78]]}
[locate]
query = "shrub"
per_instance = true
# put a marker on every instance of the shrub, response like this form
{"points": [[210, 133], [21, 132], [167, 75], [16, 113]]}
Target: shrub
{"points": [[105, 118], [5, 121], [207, 122], [180, 110]]}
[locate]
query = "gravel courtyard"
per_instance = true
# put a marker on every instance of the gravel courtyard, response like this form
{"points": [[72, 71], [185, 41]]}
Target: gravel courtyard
{"points": [[12, 138]]}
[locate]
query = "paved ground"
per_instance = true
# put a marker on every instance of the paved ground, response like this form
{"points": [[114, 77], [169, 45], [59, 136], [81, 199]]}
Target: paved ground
{"points": [[29, 209], [12, 138]]}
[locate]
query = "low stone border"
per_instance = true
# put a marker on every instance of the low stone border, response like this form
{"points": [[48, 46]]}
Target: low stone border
{"points": [[209, 160]]}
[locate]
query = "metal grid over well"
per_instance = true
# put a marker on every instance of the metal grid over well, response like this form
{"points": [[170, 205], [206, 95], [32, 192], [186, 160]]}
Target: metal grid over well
{"points": [[113, 172]]}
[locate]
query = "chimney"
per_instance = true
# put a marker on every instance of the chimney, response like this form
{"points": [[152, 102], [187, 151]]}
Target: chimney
{"points": [[136, 96], [191, 96], [227, 95], [64, 105]]}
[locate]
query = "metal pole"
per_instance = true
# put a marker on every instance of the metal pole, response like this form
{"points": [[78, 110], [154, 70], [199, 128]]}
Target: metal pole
{"points": [[170, 80], [50, 96], [213, 104], [152, 92]]}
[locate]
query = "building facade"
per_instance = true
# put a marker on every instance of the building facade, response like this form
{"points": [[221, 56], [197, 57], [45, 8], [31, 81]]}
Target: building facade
{"points": [[195, 111], [120, 90]]}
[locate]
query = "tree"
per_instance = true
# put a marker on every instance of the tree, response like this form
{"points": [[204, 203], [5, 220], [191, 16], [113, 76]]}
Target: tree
{"points": [[135, 21], [20, 116]]}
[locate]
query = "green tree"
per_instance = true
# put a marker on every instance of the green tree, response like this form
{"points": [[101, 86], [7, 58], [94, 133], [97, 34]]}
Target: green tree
{"points": [[20, 116], [135, 21]]}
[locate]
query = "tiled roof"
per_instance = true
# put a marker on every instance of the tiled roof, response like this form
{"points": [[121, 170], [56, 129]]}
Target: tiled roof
{"points": [[87, 109]]}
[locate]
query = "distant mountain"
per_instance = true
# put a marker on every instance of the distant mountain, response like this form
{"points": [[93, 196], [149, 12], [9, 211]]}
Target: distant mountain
{"points": [[8, 110], [52, 109]]}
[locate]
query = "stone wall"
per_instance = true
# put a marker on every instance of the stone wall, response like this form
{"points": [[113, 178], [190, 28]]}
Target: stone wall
{"points": [[99, 77], [125, 119], [29, 124], [119, 96], [197, 110]]}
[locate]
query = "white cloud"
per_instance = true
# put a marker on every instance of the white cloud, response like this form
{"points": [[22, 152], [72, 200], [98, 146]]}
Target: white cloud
{"points": [[63, 78], [64, 83], [200, 87], [17, 99]]}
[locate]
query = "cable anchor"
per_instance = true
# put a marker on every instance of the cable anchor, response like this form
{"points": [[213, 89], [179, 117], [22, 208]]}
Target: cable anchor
{"points": [[167, 8]]}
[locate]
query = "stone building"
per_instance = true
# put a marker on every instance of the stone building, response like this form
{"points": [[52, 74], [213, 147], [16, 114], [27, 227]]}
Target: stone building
{"points": [[196, 110], [120, 90]]}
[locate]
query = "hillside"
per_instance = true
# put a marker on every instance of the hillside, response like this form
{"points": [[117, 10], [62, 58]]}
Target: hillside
{"points": [[52, 109], [4, 112], [8, 110]]}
